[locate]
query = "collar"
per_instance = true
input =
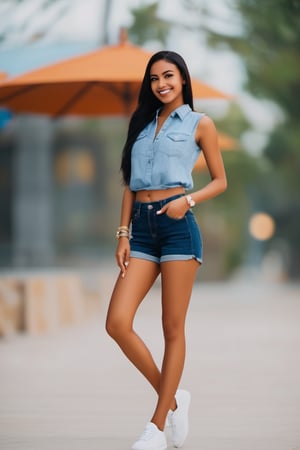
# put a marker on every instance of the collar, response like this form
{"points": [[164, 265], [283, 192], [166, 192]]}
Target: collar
{"points": [[181, 111]]}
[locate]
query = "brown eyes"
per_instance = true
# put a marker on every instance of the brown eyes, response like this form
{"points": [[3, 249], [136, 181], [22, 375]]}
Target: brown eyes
{"points": [[168, 75]]}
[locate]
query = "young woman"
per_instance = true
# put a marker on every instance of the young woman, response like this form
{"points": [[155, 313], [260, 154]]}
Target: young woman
{"points": [[164, 139]]}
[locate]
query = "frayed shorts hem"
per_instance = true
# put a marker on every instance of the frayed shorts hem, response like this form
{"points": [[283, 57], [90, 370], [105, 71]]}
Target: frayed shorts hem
{"points": [[165, 258]]}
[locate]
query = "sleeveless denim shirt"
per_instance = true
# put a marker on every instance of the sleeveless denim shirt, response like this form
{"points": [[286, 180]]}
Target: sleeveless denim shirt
{"points": [[167, 160]]}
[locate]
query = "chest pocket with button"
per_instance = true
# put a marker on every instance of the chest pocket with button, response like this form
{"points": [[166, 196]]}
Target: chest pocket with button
{"points": [[174, 144]]}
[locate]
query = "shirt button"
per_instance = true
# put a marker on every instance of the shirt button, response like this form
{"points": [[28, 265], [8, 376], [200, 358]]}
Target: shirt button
{"points": [[150, 206]]}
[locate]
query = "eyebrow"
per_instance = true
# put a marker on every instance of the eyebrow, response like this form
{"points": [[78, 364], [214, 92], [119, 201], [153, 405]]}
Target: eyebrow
{"points": [[166, 71]]}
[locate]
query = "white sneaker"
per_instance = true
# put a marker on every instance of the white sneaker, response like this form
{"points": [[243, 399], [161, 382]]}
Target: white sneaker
{"points": [[151, 439], [168, 423], [178, 419]]}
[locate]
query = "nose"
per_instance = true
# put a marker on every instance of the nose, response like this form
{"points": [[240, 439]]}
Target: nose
{"points": [[161, 82]]}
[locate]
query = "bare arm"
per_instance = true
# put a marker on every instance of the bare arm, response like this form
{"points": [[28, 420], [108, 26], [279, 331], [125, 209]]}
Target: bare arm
{"points": [[207, 138], [123, 248]]}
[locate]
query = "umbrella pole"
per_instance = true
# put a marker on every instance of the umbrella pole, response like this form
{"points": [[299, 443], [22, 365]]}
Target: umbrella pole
{"points": [[126, 95], [127, 99]]}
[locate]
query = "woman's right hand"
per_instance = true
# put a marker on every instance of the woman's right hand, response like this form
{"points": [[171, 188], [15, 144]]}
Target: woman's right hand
{"points": [[122, 254]]}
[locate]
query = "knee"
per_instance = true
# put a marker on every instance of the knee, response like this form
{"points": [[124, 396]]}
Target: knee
{"points": [[111, 326], [173, 330], [115, 327]]}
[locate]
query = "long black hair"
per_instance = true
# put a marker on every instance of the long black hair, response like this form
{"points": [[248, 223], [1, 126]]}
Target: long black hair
{"points": [[148, 105]]}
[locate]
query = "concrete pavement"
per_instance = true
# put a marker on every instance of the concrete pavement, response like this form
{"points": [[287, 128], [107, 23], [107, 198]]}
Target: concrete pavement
{"points": [[74, 390]]}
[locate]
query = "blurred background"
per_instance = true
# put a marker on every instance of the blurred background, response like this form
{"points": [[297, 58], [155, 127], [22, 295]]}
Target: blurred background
{"points": [[60, 184]]}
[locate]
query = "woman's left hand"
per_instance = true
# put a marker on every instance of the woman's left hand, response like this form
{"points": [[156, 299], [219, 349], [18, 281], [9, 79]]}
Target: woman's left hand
{"points": [[175, 209]]}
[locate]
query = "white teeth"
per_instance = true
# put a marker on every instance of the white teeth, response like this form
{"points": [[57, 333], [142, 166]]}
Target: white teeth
{"points": [[164, 92]]}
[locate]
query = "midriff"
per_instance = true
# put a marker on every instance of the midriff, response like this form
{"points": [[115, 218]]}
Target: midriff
{"points": [[156, 195]]}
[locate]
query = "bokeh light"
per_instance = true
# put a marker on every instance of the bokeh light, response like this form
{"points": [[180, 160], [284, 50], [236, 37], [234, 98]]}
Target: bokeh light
{"points": [[261, 226]]}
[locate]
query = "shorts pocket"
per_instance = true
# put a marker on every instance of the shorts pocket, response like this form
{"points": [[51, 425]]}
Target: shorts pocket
{"points": [[136, 212], [174, 218]]}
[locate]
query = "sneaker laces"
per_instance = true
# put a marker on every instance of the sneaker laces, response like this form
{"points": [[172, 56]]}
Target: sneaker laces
{"points": [[171, 422], [147, 433]]}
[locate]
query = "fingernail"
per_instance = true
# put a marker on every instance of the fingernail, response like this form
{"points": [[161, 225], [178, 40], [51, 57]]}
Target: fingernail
{"points": [[158, 212]]}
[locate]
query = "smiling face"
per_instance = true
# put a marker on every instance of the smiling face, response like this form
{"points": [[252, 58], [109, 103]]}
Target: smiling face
{"points": [[166, 83]]}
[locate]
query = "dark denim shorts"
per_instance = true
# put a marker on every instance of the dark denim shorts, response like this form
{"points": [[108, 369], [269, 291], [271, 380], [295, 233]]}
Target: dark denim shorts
{"points": [[161, 238]]}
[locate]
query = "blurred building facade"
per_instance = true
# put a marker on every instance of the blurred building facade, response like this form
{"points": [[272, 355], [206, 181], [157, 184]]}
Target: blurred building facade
{"points": [[53, 194]]}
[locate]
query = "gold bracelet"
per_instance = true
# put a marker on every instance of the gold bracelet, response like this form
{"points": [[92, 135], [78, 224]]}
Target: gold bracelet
{"points": [[122, 233], [123, 228]]}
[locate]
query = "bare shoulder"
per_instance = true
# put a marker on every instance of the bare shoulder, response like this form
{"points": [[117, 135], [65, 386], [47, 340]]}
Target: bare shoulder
{"points": [[206, 127], [206, 123]]}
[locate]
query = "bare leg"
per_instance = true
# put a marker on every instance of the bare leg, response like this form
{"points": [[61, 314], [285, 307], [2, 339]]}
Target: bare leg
{"points": [[177, 282], [126, 298]]}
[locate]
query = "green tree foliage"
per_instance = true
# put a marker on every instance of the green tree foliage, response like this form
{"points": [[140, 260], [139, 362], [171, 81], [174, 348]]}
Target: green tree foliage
{"points": [[268, 41], [147, 26]]}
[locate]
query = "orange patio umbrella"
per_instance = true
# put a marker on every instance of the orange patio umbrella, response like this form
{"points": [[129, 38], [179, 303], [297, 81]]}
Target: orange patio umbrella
{"points": [[3, 76], [102, 82], [225, 142]]}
